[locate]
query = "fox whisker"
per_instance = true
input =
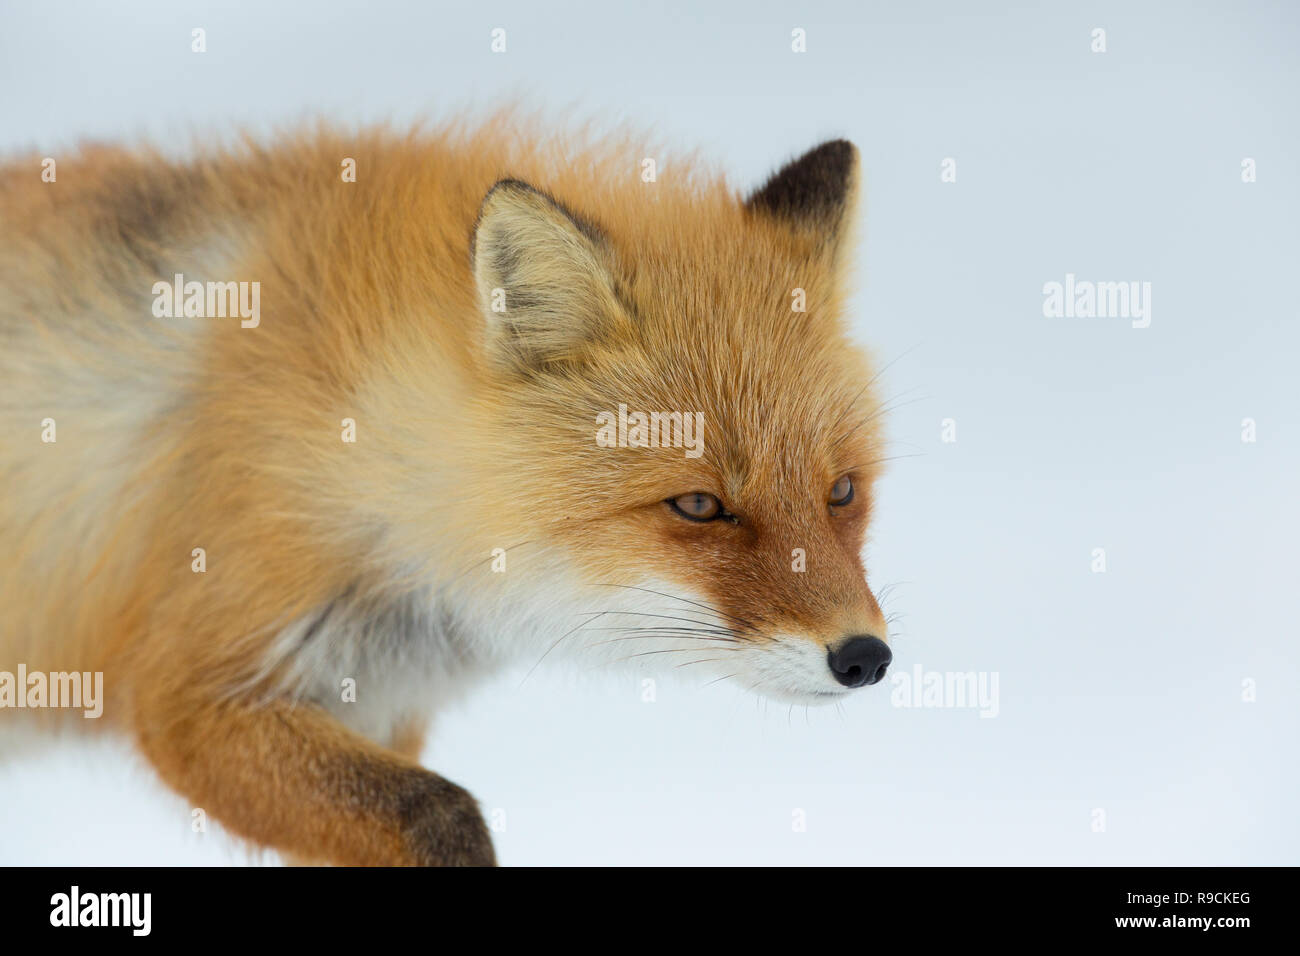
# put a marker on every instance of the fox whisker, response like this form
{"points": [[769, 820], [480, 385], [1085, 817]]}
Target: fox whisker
{"points": [[673, 597]]}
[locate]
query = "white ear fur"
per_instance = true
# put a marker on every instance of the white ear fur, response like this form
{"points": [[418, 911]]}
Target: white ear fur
{"points": [[543, 277]]}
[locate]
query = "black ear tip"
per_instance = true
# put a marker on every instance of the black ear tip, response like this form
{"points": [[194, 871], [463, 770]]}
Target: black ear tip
{"points": [[812, 187], [837, 151], [834, 161]]}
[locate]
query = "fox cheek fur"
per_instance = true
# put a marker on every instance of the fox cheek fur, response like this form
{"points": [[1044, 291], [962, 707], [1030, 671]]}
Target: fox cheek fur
{"points": [[393, 479]]}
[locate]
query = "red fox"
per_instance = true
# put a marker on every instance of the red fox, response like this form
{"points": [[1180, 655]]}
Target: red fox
{"points": [[299, 441]]}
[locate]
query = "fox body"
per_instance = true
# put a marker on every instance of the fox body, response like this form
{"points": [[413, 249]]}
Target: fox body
{"points": [[285, 540]]}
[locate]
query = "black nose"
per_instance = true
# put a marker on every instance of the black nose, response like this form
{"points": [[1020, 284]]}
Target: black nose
{"points": [[859, 660]]}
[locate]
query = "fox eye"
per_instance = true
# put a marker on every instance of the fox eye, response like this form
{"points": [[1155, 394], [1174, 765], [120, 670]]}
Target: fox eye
{"points": [[697, 506], [842, 492]]}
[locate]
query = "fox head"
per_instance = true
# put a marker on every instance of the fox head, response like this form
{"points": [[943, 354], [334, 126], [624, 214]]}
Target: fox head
{"points": [[692, 438]]}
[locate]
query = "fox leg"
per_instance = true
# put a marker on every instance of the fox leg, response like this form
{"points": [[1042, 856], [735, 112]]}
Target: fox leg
{"points": [[290, 777], [407, 739]]}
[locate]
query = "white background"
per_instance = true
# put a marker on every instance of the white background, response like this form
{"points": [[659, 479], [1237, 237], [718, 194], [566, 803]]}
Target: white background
{"points": [[1119, 691]]}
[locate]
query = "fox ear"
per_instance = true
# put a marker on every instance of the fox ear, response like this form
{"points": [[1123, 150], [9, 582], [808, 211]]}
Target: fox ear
{"points": [[818, 191], [543, 277]]}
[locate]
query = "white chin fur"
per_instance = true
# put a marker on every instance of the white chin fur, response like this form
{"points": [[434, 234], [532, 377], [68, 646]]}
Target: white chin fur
{"points": [[793, 670]]}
